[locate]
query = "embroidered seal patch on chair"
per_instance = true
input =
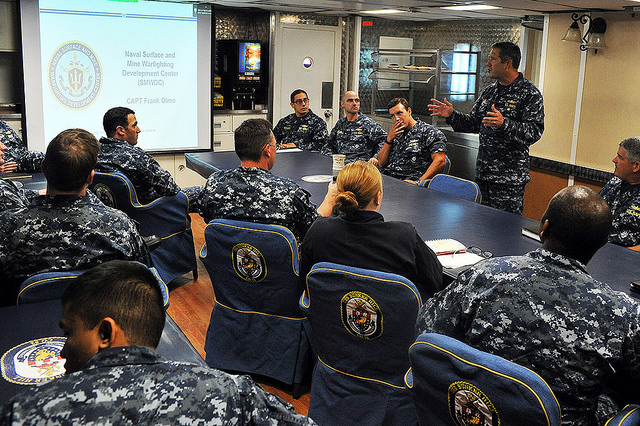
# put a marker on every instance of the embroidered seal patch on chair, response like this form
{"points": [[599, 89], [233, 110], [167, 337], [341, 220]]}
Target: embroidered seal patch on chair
{"points": [[361, 315], [468, 405], [249, 263]]}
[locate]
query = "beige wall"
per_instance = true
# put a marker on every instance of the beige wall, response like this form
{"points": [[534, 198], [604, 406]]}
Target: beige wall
{"points": [[559, 92], [610, 108], [611, 102]]}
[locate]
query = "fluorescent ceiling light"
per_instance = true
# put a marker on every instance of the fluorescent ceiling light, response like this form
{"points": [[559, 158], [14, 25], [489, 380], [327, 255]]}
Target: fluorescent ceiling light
{"points": [[383, 11], [471, 7]]}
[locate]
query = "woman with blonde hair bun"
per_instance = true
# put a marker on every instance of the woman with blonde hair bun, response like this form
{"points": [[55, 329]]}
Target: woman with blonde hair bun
{"points": [[360, 237]]}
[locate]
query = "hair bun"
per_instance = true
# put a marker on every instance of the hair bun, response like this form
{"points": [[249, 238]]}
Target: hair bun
{"points": [[347, 202]]}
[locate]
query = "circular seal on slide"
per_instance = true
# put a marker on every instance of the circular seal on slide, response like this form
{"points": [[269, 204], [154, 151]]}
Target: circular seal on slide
{"points": [[33, 362], [75, 75]]}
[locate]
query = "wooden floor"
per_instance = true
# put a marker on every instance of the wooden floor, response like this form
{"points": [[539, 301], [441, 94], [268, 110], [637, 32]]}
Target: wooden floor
{"points": [[191, 305]]}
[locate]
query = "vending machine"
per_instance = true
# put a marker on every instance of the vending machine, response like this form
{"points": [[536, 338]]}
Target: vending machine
{"points": [[241, 69]]}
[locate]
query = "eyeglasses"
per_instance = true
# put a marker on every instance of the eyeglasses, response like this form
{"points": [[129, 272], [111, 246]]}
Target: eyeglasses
{"points": [[301, 101], [475, 250]]}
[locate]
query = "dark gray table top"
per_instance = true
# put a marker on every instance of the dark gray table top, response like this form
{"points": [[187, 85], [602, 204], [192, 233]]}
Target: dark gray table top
{"points": [[436, 215]]}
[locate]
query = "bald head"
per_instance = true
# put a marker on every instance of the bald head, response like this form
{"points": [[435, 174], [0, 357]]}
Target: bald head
{"points": [[351, 104], [576, 223], [349, 94]]}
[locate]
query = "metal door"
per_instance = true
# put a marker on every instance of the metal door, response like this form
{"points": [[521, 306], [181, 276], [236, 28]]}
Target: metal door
{"points": [[308, 58]]}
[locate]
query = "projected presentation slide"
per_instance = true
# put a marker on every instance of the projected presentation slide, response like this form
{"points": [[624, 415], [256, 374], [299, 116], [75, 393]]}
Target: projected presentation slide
{"points": [[99, 54]]}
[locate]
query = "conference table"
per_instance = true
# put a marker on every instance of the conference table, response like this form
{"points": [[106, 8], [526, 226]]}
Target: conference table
{"points": [[435, 215], [39, 321], [35, 181]]}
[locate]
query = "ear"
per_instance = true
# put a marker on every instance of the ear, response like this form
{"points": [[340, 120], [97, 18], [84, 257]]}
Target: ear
{"points": [[90, 178], [544, 228], [409, 110], [636, 167], [119, 131], [106, 333], [379, 198]]}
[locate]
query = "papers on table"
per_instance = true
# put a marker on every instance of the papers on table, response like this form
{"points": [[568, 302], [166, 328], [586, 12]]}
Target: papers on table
{"points": [[532, 232], [452, 253]]}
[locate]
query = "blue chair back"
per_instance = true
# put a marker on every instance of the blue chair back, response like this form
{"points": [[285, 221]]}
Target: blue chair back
{"points": [[45, 286], [445, 170], [459, 187], [629, 416], [447, 165], [51, 285], [451, 380], [363, 323], [256, 326], [166, 217]]}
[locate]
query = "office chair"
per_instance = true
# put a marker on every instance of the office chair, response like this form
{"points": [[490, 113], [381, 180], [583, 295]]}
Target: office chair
{"points": [[629, 416], [459, 187], [51, 285], [363, 324], [256, 326], [450, 380], [166, 217], [445, 171]]}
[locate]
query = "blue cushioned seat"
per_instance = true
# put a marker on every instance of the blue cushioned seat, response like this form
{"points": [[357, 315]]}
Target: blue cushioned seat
{"points": [[256, 326], [363, 324], [445, 171], [459, 187], [166, 218], [51, 285], [629, 416], [451, 380]]}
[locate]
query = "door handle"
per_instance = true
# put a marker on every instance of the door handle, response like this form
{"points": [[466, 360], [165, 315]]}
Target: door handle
{"points": [[328, 113]]}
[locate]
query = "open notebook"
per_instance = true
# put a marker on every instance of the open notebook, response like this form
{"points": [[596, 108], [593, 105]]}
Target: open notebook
{"points": [[452, 253]]}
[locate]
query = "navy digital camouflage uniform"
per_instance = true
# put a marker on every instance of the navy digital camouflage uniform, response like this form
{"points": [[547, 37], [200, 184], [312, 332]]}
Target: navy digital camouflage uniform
{"points": [[12, 198], [256, 195], [502, 167], [545, 312], [60, 233], [134, 385], [308, 132], [149, 179], [624, 202], [28, 161], [359, 139], [411, 151]]}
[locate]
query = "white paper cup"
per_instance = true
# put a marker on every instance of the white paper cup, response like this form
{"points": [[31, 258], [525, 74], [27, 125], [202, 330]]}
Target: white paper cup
{"points": [[338, 161]]}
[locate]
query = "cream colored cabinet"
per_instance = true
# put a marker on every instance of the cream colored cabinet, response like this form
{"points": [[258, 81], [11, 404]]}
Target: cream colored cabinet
{"points": [[176, 165], [222, 132], [224, 126]]}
